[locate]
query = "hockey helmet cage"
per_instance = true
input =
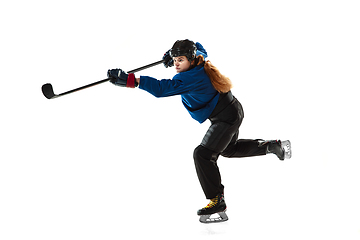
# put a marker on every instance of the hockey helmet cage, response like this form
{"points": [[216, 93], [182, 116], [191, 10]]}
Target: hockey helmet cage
{"points": [[185, 48]]}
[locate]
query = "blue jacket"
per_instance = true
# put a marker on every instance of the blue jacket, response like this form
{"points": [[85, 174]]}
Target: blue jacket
{"points": [[197, 93]]}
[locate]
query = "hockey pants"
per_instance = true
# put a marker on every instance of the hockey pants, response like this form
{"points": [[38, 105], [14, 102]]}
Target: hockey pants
{"points": [[222, 139]]}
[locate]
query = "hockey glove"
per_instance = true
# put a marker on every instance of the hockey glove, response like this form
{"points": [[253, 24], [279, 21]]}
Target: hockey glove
{"points": [[168, 61], [122, 79]]}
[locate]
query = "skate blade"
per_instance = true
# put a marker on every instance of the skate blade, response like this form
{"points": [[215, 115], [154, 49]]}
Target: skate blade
{"points": [[286, 145], [208, 219]]}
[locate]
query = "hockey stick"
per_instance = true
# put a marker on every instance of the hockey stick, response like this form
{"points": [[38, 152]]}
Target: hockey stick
{"points": [[48, 90]]}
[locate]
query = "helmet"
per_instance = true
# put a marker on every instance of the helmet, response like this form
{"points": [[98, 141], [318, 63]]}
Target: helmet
{"points": [[185, 48]]}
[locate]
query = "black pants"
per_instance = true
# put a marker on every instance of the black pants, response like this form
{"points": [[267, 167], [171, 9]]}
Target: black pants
{"points": [[222, 139]]}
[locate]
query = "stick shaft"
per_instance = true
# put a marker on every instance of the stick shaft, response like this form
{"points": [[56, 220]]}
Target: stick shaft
{"points": [[83, 87]]}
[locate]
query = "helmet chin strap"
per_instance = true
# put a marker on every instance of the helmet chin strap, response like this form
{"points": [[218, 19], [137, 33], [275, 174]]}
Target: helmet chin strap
{"points": [[191, 63]]}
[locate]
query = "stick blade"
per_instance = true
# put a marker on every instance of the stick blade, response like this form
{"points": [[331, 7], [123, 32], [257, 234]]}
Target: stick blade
{"points": [[48, 91]]}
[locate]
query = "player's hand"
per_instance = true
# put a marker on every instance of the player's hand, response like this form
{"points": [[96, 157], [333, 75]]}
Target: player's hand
{"points": [[168, 61], [122, 79]]}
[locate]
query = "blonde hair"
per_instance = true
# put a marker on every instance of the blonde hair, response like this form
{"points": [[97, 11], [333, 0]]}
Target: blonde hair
{"points": [[221, 83]]}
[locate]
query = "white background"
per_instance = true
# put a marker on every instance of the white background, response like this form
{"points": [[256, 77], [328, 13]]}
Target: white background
{"points": [[116, 163]]}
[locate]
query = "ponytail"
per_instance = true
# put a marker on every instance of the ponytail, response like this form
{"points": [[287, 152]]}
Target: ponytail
{"points": [[221, 83]]}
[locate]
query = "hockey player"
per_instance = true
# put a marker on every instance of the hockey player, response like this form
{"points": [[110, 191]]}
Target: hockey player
{"points": [[206, 94]]}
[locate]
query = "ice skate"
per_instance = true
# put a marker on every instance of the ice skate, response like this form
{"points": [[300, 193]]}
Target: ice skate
{"points": [[282, 149], [216, 206]]}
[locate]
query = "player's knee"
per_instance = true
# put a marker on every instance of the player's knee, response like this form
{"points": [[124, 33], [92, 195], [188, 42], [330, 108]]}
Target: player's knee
{"points": [[197, 153], [202, 153]]}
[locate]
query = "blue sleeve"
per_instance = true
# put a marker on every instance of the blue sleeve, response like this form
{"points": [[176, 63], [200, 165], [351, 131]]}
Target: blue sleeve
{"points": [[200, 50], [164, 87]]}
